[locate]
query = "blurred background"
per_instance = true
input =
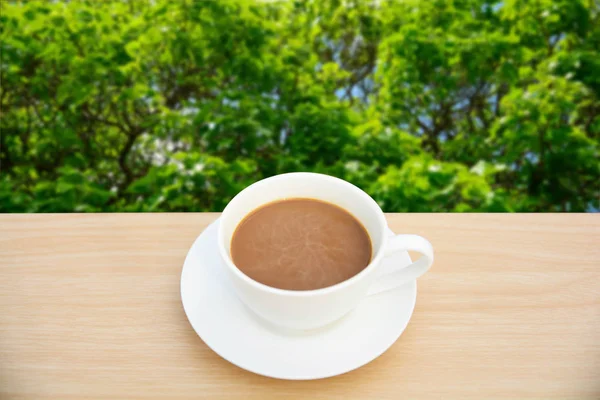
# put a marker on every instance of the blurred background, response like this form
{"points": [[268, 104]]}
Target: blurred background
{"points": [[429, 106]]}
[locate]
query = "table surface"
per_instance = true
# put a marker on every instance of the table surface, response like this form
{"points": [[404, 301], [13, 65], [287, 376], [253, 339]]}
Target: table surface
{"points": [[90, 308]]}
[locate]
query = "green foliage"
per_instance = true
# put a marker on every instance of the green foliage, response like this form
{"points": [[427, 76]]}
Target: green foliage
{"points": [[447, 105]]}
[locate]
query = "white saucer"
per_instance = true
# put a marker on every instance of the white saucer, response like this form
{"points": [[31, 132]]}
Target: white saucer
{"points": [[229, 328]]}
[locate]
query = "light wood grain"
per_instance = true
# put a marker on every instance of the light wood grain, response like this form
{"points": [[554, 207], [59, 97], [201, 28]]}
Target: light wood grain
{"points": [[90, 308]]}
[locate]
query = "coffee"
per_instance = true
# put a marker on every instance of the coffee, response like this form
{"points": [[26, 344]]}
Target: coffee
{"points": [[300, 244]]}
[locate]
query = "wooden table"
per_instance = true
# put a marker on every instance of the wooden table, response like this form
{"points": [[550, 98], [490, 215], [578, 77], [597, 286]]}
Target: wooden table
{"points": [[90, 308]]}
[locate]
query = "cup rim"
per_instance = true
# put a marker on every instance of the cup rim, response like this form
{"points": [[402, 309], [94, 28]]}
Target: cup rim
{"points": [[313, 292]]}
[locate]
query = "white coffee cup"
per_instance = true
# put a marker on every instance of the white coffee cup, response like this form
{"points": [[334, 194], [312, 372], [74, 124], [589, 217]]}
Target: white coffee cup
{"points": [[315, 308]]}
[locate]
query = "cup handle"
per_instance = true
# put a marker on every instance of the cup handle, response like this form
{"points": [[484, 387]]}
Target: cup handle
{"points": [[400, 275]]}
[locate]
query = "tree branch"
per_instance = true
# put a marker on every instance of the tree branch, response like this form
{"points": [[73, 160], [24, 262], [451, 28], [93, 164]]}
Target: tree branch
{"points": [[123, 154]]}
